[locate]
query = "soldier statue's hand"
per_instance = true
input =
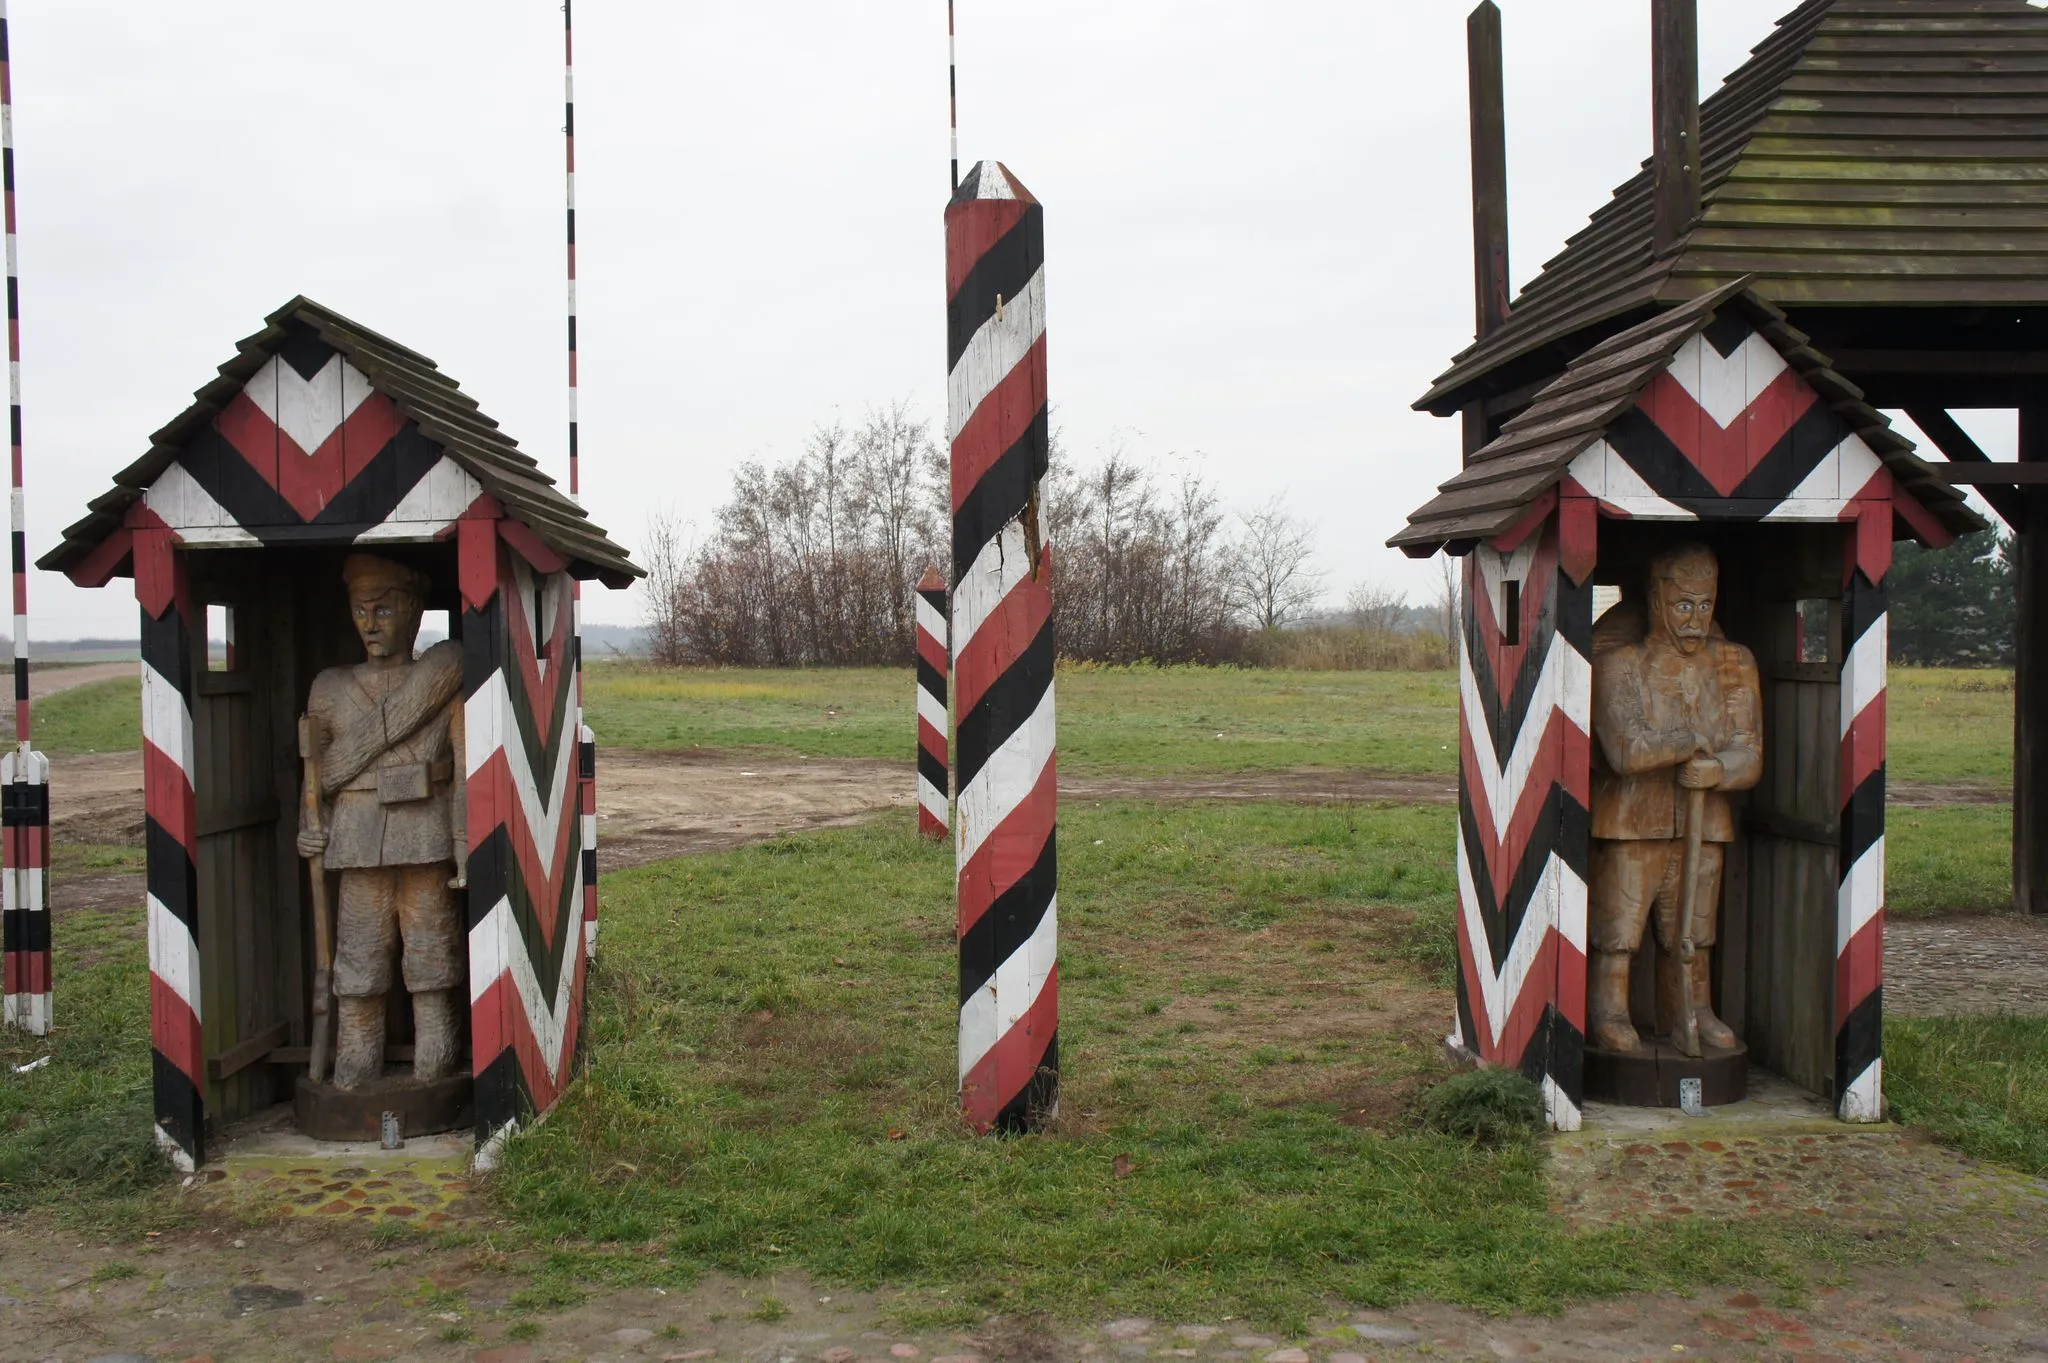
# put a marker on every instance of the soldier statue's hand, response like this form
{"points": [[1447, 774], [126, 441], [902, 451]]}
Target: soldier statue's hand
{"points": [[312, 842], [1701, 773]]}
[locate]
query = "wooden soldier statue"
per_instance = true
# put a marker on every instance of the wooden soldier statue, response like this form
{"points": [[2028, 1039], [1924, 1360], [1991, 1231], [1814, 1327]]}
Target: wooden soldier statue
{"points": [[389, 739], [1674, 712]]}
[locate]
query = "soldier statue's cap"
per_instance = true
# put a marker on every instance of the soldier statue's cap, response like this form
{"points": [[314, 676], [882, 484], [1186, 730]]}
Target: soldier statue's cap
{"points": [[1687, 562], [366, 574]]}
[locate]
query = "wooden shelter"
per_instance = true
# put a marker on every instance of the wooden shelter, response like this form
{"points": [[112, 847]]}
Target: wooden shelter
{"points": [[320, 438], [1853, 221]]}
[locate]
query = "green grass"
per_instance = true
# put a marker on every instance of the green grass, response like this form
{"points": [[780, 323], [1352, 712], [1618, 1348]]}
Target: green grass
{"points": [[771, 1076], [101, 716], [1138, 719], [75, 1132], [1979, 1084], [1949, 724], [1948, 860]]}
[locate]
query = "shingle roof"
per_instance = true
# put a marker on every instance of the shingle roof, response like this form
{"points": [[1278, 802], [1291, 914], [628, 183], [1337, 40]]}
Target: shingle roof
{"points": [[445, 414], [1533, 451], [1869, 152]]}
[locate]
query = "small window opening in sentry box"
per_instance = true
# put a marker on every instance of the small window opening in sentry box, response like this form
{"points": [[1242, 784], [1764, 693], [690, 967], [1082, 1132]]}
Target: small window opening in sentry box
{"points": [[1511, 612], [220, 638], [433, 629], [1813, 625]]}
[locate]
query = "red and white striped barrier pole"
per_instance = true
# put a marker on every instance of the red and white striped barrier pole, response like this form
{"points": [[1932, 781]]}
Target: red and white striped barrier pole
{"points": [[24, 772], [1002, 654], [932, 666]]}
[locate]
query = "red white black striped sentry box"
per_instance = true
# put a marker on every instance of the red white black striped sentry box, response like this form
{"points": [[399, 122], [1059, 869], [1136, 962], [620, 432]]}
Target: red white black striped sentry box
{"points": [[1002, 648]]}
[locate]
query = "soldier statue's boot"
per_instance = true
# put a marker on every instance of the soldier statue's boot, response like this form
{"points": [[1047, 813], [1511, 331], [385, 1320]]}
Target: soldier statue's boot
{"points": [[358, 1041], [435, 1031], [1610, 1025], [1713, 1031]]}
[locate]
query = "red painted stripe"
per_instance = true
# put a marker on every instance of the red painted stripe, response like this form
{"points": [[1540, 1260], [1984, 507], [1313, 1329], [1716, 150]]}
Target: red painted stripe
{"points": [[999, 422], [498, 1020], [930, 739], [1011, 849], [309, 480], [1571, 983], [493, 804], [1726, 456], [1525, 1014], [1469, 956], [998, 1077], [541, 691], [1874, 538], [174, 1031], [167, 797], [1859, 968], [1001, 640], [933, 651], [1863, 747], [971, 229], [35, 972]]}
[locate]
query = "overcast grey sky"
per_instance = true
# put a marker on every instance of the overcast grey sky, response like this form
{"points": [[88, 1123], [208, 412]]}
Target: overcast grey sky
{"points": [[1258, 241]]}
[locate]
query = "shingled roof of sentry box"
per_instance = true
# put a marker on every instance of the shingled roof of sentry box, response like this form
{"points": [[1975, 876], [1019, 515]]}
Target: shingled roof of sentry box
{"points": [[1870, 152], [445, 414], [1535, 449]]}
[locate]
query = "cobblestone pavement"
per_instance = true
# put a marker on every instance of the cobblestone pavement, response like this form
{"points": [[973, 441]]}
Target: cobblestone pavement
{"points": [[1939, 967]]}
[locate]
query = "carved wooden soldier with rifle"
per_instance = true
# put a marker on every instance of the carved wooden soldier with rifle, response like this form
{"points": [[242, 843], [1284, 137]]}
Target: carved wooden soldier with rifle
{"points": [[1675, 719], [385, 738]]}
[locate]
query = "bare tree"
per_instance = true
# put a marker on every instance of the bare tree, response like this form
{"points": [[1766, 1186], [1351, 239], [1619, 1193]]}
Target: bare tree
{"points": [[1449, 603], [1376, 609], [1275, 577], [667, 559]]}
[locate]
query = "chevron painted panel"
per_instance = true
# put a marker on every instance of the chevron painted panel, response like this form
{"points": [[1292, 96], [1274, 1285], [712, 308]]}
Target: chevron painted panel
{"points": [[1525, 700], [528, 835], [1730, 431]]}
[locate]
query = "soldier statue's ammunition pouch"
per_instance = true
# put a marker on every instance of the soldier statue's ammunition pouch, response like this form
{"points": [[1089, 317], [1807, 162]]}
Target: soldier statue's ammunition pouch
{"points": [[402, 784]]}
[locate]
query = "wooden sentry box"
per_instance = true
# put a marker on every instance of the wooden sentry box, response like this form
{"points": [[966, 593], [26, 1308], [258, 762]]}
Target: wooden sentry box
{"points": [[1715, 422], [319, 439]]}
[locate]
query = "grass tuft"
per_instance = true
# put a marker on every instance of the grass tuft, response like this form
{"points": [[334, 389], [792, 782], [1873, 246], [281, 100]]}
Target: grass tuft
{"points": [[1489, 1106]]}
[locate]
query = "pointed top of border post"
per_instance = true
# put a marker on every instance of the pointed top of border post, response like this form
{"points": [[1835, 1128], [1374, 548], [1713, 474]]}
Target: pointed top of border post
{"points": [[991, 180], [931, 581]]}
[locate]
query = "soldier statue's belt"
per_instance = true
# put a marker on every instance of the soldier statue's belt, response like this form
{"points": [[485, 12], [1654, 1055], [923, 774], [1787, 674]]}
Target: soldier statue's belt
{"points": [[406, 782]]}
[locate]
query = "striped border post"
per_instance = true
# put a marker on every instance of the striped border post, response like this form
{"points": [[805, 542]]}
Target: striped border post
{"points": [[569, 152], [1002, 654], [1859, 930], [586, 808], [24, 773], [177, 1047], [932, 665]]}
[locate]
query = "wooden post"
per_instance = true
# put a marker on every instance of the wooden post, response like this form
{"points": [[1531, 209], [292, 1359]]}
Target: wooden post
{"points": [[1488, 121], [1675, 105], [1002, 654], [933, 787], [2030, 674]]}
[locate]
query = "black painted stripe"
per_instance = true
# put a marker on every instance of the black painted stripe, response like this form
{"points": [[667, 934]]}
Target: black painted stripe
{"points": [[936, 599], [586, 760], [180, 1108], [1012, 699], [20, 539], [502, 1094], [1862, 820], [1009, 922], [25, 930], [1863, 605], [1002, 272], [375, 492], [931, 681], [932, 768], [1644, 446], [494, 875], [483, 640], [1860, 1041], [20, 678], [1557, 1049], [1465, 1025], [254, 505], [1038, 1099], [172, 879], [1001, 496], [590, 866], [24, 804]]}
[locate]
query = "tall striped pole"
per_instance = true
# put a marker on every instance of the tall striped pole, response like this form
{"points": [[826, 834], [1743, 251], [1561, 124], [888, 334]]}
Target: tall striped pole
{"points": [[932, 666], [953, 94], [1002, 654], [24, 772], [569, 147]]}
